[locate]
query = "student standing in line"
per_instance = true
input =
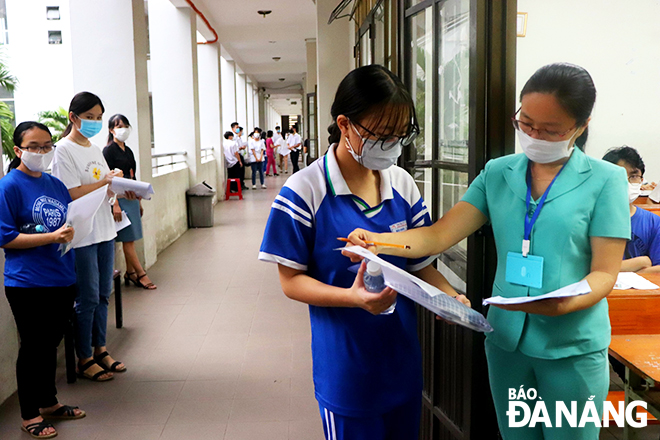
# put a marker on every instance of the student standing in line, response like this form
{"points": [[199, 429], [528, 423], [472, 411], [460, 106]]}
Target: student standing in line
{"points": [[81, 166], [555, 205], [270, 153], [642, 253], [119, 156], [233, 158], [236, 131], [257, 149], [284, 152], [39, 283], [294, 144], [367, 365], [278, 140]]}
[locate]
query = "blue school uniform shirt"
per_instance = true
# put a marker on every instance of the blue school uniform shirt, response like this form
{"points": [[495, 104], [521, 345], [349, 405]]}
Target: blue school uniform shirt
{"points": [[363, 364], [645, 237], [43, 201]]}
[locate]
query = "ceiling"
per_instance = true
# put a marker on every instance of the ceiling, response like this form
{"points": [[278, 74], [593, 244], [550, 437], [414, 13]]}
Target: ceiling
{"points": [[252, 41]]}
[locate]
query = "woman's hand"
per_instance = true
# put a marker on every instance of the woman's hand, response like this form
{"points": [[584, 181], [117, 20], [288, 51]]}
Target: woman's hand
{"points": [[130, 195], [374, 303], [360, 237], [546, 307], [116, 212], [63, 235], [463, 299], [141, 209], [107, 180]]}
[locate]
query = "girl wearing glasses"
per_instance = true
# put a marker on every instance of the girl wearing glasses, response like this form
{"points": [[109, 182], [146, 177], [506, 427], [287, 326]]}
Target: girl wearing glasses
{"points": [[39, 283], [80, 164], [562, 217], [367, 365]]}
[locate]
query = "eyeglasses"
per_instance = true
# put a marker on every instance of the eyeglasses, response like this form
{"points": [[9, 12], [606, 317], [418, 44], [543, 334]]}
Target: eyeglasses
{"points": [[405, 140], [636, 178], [41, 150], [547, 135]]}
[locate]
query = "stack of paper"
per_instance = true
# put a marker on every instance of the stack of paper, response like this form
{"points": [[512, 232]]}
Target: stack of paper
{"points": [[80, 216], [630, 280], [120, 185], [580, 288], [425, 294]]}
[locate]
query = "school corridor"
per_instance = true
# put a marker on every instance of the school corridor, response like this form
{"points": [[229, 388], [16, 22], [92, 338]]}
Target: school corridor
{"points": [[217, 352]]}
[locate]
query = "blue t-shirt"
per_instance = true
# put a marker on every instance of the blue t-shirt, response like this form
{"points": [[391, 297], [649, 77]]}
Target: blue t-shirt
{"points": [[43, 201], [364, 365], [645, 239]]}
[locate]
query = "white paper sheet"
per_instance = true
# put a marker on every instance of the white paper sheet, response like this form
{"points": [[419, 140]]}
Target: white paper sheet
{"points": [[124, 223], [120, 185], [576, 289], [426, 295], [80, 216], [655, 194], [630, 280]]}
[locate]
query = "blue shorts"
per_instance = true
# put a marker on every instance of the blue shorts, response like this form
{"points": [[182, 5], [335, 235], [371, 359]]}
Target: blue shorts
{"points": [[401, 423]]}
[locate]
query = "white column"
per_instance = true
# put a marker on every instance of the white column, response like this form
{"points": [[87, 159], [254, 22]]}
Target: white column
{"points": [[174, 81], [228, 81], [249, 99], [241, 104], [311, 76], [333, 61]]}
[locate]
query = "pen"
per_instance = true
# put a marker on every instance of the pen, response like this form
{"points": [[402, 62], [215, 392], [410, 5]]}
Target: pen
{"points": [[376, 243]]}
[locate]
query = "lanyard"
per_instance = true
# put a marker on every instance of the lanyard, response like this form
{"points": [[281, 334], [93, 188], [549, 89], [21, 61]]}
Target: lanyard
{"points": [[529, 222]]}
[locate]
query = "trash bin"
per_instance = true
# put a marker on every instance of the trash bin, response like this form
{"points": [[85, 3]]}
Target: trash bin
{"points": [[200, 206]]}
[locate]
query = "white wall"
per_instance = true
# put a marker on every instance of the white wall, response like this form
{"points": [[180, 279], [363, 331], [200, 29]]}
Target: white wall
{"points": [[618, 43], [44, 70], [209, 96], [170, 204], [241, 104], [228, 74]]}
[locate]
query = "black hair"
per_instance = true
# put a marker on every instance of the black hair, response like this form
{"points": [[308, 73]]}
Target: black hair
{"points": [[113, 122], [81, 103], [573, 88], [234, 124], [294, 127], [368, 90], [228, 134], [277, 127], [19, 133], [627, 154], [240, 128], [269, 134]]}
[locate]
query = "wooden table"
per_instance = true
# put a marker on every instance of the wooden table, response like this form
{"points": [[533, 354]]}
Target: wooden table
{"points": [[635, 319]]}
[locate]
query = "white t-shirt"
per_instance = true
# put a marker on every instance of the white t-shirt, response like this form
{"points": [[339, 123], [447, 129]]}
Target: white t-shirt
{"points": [[257, 149], [294, 139], [279, 143], [76, 165], [231, 148]]}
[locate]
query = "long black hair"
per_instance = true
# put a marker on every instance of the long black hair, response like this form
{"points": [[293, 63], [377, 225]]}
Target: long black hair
{"points": [[573, 88], [369, 90], [81, 103], [113, 122], [19, 133]]}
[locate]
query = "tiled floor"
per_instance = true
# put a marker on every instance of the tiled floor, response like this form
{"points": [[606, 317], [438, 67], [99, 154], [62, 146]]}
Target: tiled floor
{"points": [[217, 352]]}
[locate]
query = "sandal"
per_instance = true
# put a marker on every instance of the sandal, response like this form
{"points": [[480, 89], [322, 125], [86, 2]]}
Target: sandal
{"points": [[127, 278], [34, 429], [112, 368], [149, 286], [65, 412], [96, 377]]}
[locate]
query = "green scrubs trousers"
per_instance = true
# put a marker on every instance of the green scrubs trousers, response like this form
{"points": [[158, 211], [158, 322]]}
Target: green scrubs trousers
{"points": [[574, 378]]}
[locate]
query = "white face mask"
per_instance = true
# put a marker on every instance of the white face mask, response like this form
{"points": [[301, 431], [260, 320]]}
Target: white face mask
{"points": [[634, 190], [379, 157], [36, 162], [540, 151], [122, 133], [257, 135]]}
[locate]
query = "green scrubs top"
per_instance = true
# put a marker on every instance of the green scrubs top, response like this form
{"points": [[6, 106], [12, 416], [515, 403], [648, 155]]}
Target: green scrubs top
{"points": [[588, 199]]}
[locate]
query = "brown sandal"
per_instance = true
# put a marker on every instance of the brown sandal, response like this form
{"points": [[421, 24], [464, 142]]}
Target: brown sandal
{"points": [[82, 369], [34, 429], [111, 368], [149, 286]]}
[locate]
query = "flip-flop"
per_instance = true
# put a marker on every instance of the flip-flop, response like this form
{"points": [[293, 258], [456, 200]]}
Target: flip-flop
{"points": [[34, 429], [65, 412]]}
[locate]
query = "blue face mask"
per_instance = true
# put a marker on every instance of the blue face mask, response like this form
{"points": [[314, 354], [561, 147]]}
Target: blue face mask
{"points": [[237, 130], [89, 128]]}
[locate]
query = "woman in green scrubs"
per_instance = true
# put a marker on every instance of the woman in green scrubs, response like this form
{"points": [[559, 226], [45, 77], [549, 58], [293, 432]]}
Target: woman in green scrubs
{"points": [[555, 205]]}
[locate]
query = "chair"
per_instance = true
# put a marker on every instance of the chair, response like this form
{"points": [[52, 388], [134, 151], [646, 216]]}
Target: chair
{"points": [[230, 193]]}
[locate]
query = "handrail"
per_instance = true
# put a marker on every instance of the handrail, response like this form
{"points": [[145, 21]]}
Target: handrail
{"points": [[176, 153]]}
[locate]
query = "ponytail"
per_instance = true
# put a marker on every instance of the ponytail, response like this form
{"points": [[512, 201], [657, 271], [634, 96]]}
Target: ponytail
{"points": [[582, 140], [14, 163], [335, 133]]}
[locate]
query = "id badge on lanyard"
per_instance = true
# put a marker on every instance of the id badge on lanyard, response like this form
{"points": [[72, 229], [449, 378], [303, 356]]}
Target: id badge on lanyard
{"points": [[523, 268]]}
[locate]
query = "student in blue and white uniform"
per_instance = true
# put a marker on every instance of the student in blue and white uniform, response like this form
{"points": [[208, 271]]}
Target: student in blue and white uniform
{"points": [[40, 284], [367, 366], [643, 250]]}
